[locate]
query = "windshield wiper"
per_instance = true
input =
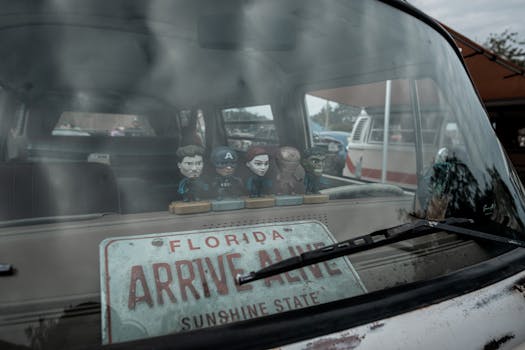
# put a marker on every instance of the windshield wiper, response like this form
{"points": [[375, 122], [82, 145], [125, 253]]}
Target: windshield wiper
{"points": [[375, 239]]}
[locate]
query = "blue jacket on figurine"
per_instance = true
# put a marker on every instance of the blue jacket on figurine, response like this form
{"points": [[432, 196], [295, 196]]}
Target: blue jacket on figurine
{"points": [[191, 189]]}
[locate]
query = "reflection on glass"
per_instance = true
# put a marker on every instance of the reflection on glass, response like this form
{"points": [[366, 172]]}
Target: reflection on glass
{"points": [[102, 124], [253, 113], [247, 126]]}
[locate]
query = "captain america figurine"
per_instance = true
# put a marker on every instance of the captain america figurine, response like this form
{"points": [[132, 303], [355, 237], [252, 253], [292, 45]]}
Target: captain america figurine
{"points": [[225, 184]]}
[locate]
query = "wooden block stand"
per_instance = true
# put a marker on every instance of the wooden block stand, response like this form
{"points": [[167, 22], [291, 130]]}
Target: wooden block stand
{"points": [[259, 202], [315, 198], [189, 207]]}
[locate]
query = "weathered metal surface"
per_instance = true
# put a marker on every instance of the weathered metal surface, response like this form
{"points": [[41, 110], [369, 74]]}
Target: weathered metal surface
{"points": [[172, 282], [489, 318]]}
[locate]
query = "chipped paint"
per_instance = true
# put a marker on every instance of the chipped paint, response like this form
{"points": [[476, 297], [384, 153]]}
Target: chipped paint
{"points": [[485, 301], [376, 325], [495, 344], [344, 342], [157, 242], [519, 286], [520, 282], [491, 317]]}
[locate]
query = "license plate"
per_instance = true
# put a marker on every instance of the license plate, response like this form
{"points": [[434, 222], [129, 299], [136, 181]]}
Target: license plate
{"points": [[175, 282], [332, 147]]}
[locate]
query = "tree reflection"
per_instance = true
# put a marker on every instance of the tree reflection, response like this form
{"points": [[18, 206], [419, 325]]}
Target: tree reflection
{"points": [[451, 190]]}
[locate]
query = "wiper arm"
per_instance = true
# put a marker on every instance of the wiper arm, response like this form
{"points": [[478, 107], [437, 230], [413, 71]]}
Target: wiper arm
{"points": [[375, 239]]}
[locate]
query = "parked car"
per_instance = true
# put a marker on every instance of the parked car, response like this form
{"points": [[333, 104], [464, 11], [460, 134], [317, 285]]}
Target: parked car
{"points": [[337, 139], [334, 144]]}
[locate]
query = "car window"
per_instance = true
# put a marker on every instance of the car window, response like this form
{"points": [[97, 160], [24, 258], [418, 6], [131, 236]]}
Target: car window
{"points": [[331, 124], [193, 126], [356, 124], [102, 124], [247, 126]]}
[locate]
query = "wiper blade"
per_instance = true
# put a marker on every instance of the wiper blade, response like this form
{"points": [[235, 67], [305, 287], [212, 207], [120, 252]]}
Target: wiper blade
{"points": [[375, 239]]}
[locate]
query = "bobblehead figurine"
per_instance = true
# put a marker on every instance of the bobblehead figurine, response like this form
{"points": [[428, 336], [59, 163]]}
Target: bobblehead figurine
{"points": [[258, 183], [313, 163], [190, 165], [290, 173], [225, 183], [258, 161], [190, 187]]}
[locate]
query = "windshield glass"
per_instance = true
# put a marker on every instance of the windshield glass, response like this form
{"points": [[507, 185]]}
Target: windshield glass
{"points": [[150, 153]]}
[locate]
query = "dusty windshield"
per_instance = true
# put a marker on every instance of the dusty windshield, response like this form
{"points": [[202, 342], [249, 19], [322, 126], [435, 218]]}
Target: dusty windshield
{"points": [[150, 154]]}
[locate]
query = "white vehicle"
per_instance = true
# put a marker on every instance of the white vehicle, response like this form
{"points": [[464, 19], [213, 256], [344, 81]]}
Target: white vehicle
{"points": [[388, 103], [104, 243]]}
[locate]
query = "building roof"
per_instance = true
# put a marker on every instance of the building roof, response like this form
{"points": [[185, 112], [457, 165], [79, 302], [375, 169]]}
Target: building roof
{"points": [[497, 79]]}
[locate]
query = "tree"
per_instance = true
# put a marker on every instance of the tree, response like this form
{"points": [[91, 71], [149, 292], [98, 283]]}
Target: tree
{"points": [[337, 117], [508, 45]]}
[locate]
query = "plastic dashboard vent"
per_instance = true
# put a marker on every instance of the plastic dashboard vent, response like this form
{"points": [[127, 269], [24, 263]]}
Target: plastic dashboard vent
{"points": [[322, 217]]}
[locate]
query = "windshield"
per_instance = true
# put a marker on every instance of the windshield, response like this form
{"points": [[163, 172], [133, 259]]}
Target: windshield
{"points": [[150, 153]]}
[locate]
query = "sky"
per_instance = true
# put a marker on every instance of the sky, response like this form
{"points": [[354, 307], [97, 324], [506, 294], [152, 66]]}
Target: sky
{"points": [[476, 19]]}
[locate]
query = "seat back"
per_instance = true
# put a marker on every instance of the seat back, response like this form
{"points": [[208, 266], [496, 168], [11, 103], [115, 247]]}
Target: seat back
{"points": [[41, 189]]}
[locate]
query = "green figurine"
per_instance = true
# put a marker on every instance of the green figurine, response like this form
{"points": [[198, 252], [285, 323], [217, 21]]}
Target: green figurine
{"points": [[313, 164]]}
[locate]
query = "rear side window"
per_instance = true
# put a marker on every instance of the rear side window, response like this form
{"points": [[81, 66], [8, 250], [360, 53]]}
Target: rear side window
{"points": [[401, 130], [349, 123], [248, 126], [106, 124]]}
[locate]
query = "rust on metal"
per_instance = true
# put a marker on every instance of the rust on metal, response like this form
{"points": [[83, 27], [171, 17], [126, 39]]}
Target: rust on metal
{"points": [[495, 344], [346, 341], [376, 325]]}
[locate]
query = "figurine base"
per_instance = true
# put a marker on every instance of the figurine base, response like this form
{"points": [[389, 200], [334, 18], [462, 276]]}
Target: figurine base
{"points": [[288, 200], [259, 202], [315, 198], [189, 207], [227, 204]]}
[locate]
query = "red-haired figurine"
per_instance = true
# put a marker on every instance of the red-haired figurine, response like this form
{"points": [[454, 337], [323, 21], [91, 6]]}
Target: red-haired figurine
{"points": [[258, 161]]}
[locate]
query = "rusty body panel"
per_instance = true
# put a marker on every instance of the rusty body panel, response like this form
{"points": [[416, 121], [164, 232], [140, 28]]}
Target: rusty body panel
{"points": [[489, 318]]}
